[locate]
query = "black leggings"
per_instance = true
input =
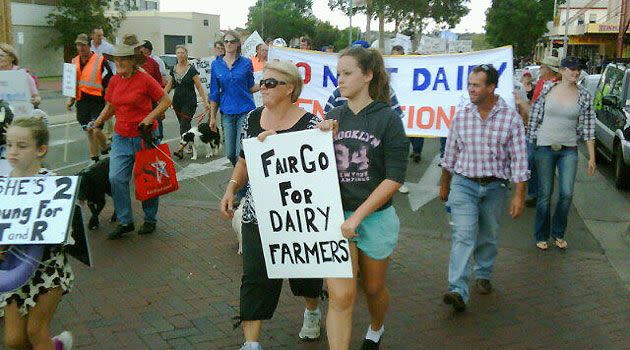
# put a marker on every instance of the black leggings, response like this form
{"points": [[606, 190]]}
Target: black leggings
{"points": [[259, 294]]}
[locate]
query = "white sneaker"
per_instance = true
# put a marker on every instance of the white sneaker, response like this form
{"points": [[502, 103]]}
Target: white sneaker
{"points": [[251, 346], [66, 339], [403, 189], [311, 327]]}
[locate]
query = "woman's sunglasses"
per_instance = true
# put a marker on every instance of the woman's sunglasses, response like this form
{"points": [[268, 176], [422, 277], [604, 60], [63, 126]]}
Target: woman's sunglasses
{"points": [[233, 41], [271, 83]]}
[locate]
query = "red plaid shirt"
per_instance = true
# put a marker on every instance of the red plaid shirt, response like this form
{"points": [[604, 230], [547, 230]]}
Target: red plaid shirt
{"points": [[492, 147]]}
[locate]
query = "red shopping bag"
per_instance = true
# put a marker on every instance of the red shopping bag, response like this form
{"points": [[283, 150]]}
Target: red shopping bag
{"points": [[154, 172]]}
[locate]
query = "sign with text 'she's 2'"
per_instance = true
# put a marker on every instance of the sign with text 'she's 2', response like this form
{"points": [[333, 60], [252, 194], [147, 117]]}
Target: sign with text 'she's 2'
{"points": [[293, 179], [36, 210]]}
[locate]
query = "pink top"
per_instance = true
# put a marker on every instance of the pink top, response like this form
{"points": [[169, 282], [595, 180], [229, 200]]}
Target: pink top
{"points": [[31, 81]]}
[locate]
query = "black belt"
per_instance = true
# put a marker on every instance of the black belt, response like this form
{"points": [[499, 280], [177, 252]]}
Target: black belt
{"points": [[486, 179]]}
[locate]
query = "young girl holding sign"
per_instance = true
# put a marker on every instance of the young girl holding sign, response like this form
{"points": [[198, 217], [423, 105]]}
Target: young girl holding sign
{"points": [[29, 309], [371, 150]]}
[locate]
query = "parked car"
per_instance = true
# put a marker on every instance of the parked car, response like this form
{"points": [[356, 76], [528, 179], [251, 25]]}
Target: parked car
{"points": [[590, 83], [612, 128], [170, 60]]}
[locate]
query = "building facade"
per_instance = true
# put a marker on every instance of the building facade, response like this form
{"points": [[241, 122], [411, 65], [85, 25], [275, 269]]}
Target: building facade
{"points": [[165, 30]]}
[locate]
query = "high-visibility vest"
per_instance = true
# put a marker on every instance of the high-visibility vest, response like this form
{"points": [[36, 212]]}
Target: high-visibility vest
{"points": [[90, 79]]}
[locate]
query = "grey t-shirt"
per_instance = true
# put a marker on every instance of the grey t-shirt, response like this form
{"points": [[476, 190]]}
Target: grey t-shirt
{"points": [[560, 123], [370, 147]]}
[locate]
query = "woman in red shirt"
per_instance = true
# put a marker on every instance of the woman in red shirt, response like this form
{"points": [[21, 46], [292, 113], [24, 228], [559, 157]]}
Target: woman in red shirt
{"points": [[130, 95]]}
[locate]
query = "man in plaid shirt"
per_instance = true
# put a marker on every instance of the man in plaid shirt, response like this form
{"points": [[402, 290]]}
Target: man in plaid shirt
{"points": [[485, 150]]}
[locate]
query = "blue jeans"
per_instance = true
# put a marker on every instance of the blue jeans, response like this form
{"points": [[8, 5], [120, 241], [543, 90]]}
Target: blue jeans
{"points": [[442, 146], [121, 162], [547, 160], [475, 213], [233, 129], [532, 184]]}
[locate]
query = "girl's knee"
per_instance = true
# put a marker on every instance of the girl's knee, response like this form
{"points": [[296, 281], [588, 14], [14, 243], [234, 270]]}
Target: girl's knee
{"points": [[373, 288], [14, 340], [37, 332], [342, 299]]}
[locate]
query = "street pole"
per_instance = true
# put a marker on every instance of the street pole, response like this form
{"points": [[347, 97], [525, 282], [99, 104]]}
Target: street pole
{"points": [[262, 15], [350, 31], [566, 29], [6, 34], [623, 26]]}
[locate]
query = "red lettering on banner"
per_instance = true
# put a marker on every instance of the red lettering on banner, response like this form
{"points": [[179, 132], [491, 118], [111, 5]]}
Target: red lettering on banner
{"points": [[307, 71], [311, 105], [442, 117], [421, 111]]}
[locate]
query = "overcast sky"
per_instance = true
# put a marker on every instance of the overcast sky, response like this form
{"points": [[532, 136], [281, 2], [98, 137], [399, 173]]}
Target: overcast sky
{"points": [[235, 15]]}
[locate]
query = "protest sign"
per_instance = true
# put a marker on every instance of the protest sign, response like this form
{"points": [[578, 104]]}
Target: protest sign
{"points": [[430, 89], [429, 45], [293, 179], [248, 48], [36, 210], [69, 80], [203, 67], [402, 40], [15, 90], [459, 46]]}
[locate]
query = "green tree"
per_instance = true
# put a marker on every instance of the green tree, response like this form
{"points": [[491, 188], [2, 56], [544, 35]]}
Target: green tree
{"points": [[518, 22], [72, 17], [282, 18]]}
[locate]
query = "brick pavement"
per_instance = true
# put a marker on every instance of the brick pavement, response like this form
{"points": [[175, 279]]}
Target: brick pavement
{"points": [[178, 289]]}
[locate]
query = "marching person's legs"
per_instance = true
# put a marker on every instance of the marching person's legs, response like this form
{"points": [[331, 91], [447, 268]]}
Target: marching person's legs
{"points": [[230, 128], [341, 296], [373, 283], [462, 200], [546, 169], [490, 210], [39, 318], [567, 169], [120, 169], [532, 183], [15, 336]]}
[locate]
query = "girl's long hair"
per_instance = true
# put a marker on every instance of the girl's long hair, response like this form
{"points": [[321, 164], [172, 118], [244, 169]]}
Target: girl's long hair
{"points": [[371, 60]]}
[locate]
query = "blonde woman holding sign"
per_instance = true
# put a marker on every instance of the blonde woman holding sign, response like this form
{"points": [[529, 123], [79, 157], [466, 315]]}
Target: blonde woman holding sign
{"points": [[280, 88], [371, 150]]}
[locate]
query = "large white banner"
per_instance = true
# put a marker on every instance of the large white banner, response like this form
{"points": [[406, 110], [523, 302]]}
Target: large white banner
{"points": [[293, 178], [15, 90], [430, 89], [36, 210]]}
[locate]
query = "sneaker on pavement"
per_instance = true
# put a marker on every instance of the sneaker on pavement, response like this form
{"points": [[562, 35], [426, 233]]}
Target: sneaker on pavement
{"points": [[369, 344], [147, 227], [311, 328], [484, 286], [66, 339], [403, 189], [251, 346], [417, 158], [120, 230], [456, 300]]}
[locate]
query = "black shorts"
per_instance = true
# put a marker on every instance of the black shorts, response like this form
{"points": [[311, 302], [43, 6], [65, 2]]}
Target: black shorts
{"points": [[259, 294], [88, 108]]}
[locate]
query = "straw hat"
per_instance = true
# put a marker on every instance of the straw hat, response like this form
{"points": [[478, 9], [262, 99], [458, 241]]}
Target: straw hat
{"points": [[82, 39], [123, 50], [552, 62]]}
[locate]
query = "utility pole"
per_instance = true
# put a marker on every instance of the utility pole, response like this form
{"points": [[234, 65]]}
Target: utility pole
{"points": [[623, 27], [350, 29], [566, 29], [6, 34], [262, 15]]}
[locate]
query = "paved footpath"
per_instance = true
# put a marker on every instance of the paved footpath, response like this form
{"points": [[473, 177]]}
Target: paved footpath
{"points": [[178, 289]]}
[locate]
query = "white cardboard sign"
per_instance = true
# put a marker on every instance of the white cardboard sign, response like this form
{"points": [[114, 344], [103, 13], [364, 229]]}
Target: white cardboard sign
{"points": [[248, 48], [36, 210], [15, 90], [293, 179], [69, 80]]}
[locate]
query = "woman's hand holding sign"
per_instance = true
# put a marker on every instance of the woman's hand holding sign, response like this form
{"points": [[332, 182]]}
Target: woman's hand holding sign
{"points": [[329, 124]]}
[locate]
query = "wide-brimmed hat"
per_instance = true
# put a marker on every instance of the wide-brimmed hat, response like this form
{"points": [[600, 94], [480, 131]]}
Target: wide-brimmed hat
{"points": [[123, 50], [82, 39], [552, 62]]}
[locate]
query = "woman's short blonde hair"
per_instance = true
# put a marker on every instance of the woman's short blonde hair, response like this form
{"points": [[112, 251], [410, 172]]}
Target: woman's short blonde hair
{"points": [[183, 47], [9, 50], [290, 73]]}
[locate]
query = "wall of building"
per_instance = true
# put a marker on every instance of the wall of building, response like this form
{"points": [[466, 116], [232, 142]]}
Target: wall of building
{"points": [[30, 21], [154, 26]]}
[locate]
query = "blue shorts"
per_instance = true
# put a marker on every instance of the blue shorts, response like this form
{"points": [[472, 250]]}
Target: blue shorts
{"points": [[378, 233]]}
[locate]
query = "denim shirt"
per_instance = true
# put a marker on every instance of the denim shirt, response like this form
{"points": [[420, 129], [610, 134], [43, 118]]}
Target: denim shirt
{"points": [[230, 87]]}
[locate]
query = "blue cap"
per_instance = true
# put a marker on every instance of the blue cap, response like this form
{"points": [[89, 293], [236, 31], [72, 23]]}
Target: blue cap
{"points": [[362, 43]]}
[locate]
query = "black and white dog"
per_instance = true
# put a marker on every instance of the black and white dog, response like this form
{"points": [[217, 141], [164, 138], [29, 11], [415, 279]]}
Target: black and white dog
{"points": [[201, 134], [93, 187]]}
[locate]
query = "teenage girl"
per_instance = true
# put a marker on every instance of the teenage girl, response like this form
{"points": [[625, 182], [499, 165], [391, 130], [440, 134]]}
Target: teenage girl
{"points": [[371, 151], [29, 309]]}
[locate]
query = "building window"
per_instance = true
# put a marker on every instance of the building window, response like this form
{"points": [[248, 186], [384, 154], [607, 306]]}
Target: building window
{"points": [[205, 22], [189, 39], [592, 18], [580, 20]]}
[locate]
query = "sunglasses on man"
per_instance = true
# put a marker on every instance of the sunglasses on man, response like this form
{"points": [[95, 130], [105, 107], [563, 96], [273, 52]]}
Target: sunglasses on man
{"points": [[271, 83]]}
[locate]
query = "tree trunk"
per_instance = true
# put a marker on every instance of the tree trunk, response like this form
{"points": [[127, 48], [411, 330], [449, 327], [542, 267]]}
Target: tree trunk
{"points": [[368, 26], [381, 31]]}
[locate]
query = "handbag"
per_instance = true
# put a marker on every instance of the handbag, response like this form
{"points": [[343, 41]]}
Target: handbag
{"points": [[154, 172]]}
